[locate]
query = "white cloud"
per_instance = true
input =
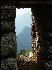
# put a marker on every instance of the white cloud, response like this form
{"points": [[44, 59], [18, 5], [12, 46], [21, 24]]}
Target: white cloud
{"points": [[22, 11]]}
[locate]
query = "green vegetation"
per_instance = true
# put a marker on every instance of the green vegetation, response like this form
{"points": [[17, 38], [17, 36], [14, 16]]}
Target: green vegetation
{"points": [[24, 52]]}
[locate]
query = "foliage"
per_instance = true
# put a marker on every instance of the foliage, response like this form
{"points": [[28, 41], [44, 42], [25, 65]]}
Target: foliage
{"points": [[24, 52]]}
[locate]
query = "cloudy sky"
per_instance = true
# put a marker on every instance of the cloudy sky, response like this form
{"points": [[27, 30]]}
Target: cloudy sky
{"points": [[23, 18]]}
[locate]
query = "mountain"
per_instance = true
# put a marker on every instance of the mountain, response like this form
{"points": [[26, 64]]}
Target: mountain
{"points": [[21, 21], [23, 39]]}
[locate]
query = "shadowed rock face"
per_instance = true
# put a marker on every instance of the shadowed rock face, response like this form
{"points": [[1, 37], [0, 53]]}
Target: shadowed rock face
{"points": [[9, 64], [8, 35], [44, 20], [8, 45]]}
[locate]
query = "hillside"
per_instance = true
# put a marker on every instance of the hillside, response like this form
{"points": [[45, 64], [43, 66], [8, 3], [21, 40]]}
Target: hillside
{"points": [[23, 39]]}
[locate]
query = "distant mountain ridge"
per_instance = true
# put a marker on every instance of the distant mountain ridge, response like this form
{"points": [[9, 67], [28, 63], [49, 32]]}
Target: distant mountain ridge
{"points": [[23, 39]]}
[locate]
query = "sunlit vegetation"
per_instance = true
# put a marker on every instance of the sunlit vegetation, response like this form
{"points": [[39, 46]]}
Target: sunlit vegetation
{"points": [[24, 52]]}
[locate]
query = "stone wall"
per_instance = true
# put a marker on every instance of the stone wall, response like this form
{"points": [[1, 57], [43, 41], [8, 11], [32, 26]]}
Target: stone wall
{"points": [[8, 45], [9, 64], [43, 16], [8, 36]]}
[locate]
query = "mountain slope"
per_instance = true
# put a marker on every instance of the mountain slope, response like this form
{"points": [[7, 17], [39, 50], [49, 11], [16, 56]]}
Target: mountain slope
{"points": [[23, 39]]}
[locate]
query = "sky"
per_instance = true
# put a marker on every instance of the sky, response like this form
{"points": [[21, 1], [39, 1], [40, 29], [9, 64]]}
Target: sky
{"points": [[23, 18]]}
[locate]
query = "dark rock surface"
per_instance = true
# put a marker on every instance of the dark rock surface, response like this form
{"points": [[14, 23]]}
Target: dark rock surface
{"points": [[9, 64], [8, 45]]}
